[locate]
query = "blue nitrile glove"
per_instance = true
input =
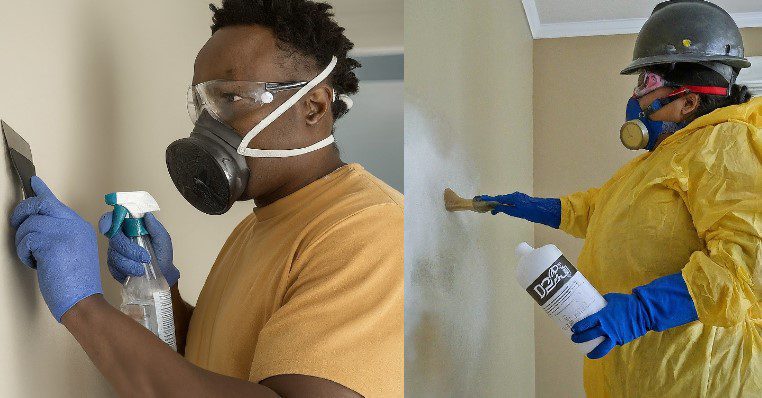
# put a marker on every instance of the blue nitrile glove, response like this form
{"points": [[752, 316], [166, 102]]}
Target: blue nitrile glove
{"points": [[546, 211], [63, 246], [126, 257], [660, 305]]}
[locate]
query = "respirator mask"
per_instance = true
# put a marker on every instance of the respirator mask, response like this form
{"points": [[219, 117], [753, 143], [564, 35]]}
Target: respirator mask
{"points": [[641, 132], [209, 167]]}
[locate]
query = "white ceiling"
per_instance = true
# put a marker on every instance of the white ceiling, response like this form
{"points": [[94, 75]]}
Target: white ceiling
{"points": [[563, 18]]}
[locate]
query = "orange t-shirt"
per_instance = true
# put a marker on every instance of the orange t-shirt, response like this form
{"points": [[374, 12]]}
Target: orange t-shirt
{"points": [[311, 284]]}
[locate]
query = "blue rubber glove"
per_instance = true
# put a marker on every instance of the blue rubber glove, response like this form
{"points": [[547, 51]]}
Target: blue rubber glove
{"points": [[126, 258], [63, 246], [546, 211], [660, 305]]}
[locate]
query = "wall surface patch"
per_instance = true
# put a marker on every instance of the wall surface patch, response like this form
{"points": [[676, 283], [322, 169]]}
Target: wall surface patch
{"points": [[446, 277]]}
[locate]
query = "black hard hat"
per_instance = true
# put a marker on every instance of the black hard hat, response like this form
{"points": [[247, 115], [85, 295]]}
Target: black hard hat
{"points": [[693, 31]]}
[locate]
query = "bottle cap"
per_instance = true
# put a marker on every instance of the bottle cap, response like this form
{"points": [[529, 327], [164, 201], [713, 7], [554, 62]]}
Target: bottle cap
{"points": [[523, 249]]}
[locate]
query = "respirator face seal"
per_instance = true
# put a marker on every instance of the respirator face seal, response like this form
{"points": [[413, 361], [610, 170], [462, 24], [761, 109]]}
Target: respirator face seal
{"points": [[205, 167], [638, 130]]}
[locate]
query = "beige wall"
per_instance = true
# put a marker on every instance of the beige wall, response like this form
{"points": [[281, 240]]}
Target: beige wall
{"points": [[98, 89], [468, 124], [579, 102]]}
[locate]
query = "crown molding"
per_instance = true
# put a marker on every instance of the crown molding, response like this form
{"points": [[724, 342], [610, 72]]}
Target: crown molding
{"points": [[607, 27]]}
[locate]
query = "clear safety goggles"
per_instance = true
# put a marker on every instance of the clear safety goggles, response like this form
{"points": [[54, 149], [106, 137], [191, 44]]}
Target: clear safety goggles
{"points": [[228, 100], [650, 81]]}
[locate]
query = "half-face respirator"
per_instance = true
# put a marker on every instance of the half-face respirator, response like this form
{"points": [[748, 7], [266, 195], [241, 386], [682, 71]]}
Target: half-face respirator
{"points": [[209, 167]]}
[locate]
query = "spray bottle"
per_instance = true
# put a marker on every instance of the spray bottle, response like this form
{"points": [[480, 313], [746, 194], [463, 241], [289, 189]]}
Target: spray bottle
{"points": [[147, 298], [562, 291]]}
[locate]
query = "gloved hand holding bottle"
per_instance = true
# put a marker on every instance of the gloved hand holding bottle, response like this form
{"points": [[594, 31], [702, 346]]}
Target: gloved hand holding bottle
{"points": [[546, 211], [61, 245], [126, 258], [660, 305]]}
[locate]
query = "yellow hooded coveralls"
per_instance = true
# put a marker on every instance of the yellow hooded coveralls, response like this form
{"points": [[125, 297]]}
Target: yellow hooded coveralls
{"points": [[693, 205]]}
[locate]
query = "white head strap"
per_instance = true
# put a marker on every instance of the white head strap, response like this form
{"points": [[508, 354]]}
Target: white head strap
{"points": [[285, 153]]}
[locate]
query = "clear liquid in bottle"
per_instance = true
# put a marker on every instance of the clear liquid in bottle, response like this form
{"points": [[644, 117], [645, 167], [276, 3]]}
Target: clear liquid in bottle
{"points": [[147, 298]]}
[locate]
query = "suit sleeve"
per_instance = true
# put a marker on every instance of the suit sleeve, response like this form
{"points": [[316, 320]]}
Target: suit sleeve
{"points": [[342, 316], [724, 196], [576, 210]]}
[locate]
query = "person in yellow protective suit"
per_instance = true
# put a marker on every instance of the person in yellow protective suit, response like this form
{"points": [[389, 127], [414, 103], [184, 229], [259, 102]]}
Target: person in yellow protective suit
{"points": [[674, 239], [693, 206]]}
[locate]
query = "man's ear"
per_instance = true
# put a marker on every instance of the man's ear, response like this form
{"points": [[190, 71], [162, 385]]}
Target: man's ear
{"points": [[691, 101], [318, 104]]}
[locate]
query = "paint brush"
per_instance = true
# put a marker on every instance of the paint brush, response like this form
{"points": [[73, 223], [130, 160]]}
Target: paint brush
{"points": [[453, 202]]}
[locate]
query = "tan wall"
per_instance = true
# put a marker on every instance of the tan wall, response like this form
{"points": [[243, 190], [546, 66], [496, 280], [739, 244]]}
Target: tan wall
{"points": [[468, 124], [579, 102], [97, 88]]}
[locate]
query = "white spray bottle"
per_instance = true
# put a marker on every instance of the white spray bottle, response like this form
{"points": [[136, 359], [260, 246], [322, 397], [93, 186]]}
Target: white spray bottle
{"points": [[562, 291], [147, 298]]}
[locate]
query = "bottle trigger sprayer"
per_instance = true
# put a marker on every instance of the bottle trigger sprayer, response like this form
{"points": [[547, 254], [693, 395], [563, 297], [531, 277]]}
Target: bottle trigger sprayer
{"points": [[562, 291], [146, 298]]}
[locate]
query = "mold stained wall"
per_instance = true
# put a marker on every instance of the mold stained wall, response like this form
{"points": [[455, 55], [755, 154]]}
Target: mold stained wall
{"points": [[575, 148], [468, 125]]}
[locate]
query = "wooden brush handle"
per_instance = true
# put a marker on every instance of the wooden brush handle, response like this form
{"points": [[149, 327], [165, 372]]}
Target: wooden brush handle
{"points": [[453, 202]]}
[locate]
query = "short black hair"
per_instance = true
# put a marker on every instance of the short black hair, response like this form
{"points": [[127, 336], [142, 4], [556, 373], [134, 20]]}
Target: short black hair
{"points": [[304, 26]]}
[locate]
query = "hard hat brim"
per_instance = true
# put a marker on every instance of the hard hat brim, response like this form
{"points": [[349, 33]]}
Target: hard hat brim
{"points": [[635, 66]]}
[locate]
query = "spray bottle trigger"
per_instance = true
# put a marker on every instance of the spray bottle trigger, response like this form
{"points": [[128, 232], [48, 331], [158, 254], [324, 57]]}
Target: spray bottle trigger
{"points": [[117, 218]]}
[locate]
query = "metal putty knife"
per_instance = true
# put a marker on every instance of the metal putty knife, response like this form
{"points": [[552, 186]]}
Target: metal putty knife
{"points": [[21, 158]]}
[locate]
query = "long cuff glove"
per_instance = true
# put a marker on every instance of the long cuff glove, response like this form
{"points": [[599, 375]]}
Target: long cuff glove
{"points": [[660, 305], [62, 246], [126, 258], [546, 211]]}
